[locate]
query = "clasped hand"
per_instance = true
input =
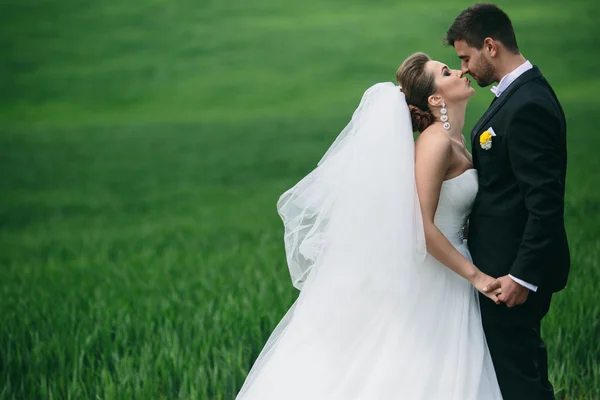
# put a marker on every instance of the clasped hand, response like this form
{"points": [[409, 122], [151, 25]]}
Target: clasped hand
{"points": [[505, 290]]}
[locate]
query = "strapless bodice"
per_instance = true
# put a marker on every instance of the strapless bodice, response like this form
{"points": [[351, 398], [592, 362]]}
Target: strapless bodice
{"points": [[454, 206]]}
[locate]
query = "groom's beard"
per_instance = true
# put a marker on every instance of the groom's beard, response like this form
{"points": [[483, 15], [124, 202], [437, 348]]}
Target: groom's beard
{"points": [[484, 75]]}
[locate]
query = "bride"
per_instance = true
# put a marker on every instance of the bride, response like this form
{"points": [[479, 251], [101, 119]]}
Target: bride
{"points": [[388, 306]]}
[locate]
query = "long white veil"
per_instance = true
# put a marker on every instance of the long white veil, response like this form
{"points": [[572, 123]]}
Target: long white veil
{"points": [[353, 225], [362, 190]]}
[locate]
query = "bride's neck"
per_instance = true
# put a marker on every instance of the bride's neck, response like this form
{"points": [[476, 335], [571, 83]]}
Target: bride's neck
{"points": [[456, 117]]}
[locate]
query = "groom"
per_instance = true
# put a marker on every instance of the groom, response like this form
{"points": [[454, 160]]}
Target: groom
{"points": [[516, 229]]}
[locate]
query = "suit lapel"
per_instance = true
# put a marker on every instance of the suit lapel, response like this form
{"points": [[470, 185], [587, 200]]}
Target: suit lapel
{"points": [[498, 102], [484, 118]]}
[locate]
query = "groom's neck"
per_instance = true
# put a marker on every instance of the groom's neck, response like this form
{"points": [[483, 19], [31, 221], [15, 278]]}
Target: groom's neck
{"points": [[508, 62]]}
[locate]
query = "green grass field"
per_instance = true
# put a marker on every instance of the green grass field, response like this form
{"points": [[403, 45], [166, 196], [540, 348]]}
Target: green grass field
{"points": [[143, 146]]}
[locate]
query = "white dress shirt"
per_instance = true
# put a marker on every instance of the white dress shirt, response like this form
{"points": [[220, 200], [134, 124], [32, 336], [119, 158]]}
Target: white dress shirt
{"points": [[504, 83]]}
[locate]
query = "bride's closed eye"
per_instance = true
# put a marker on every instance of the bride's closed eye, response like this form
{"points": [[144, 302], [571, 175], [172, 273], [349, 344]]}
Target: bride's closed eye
{"points": [[446, 72]]}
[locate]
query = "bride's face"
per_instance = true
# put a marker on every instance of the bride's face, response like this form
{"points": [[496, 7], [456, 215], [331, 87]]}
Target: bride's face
{"points": [[451, 84]]}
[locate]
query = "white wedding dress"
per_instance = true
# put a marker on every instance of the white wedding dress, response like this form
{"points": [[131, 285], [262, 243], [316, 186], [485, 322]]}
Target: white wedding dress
{"points": [[372, 321]]}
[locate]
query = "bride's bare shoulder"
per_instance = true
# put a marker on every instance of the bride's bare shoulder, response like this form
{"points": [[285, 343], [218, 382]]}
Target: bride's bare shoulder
{"points": [[434, 137]]}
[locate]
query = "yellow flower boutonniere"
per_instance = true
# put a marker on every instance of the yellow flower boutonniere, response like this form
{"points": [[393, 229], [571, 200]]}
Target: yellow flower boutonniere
{"points": [[485, 140]]}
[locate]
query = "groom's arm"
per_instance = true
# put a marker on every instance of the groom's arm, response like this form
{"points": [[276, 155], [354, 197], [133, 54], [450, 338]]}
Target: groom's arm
{"points": [[521, 282], [536, 155]]}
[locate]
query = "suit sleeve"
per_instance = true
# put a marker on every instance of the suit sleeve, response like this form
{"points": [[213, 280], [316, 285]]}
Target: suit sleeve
{"points": [[536, 156]]}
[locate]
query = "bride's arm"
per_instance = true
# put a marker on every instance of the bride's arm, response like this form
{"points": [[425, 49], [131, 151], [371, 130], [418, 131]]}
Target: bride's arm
{"points": [[433, 155]]}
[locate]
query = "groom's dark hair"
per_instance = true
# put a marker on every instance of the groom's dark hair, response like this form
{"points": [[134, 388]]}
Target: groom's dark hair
{"points": [[480, 21]]}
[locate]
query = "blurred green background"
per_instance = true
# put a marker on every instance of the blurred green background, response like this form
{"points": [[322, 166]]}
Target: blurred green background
{"points": [[144, 144]]}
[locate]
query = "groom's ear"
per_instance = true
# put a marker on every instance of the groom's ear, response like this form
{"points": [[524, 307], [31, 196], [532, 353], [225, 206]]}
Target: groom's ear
{"points": [[490, 46], [435, 100]]}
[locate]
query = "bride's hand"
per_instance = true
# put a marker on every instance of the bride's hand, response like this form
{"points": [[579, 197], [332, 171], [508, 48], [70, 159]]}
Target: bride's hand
{"points": [[481, 281]]}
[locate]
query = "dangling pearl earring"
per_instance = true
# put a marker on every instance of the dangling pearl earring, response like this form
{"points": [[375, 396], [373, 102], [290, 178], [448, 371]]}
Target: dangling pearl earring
{"points": [[444, 116]]}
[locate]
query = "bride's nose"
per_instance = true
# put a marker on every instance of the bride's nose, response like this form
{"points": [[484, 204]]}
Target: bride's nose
{"points": [[459, 73]]}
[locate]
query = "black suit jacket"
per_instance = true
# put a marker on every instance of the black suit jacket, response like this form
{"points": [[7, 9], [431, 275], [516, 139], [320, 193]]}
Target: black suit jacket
{"points": [[517, 222]]}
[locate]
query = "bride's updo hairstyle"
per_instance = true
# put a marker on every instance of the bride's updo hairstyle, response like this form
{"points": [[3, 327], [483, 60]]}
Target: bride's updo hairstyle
{"points": [[417, 85]]}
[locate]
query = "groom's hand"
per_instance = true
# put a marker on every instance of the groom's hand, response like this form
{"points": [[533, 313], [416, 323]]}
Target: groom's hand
{"points": [[511, 293]]}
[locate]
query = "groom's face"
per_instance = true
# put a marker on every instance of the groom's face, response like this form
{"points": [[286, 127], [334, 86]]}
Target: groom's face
{"points": [[475, 63]]}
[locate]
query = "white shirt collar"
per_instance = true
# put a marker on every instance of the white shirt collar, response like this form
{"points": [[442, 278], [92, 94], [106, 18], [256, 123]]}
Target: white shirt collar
{"points": [[506, 81]]}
